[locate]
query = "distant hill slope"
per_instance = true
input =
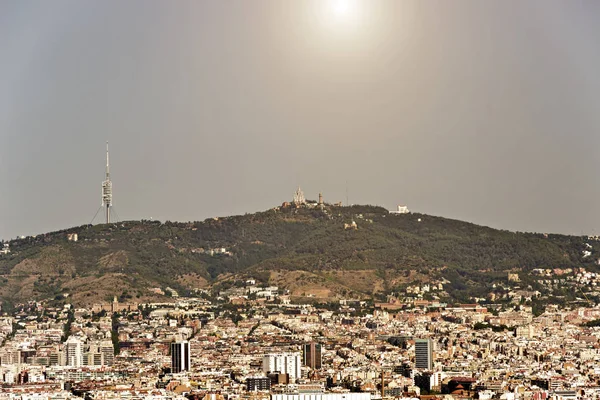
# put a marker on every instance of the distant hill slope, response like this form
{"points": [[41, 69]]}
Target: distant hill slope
{"points": [[307, 251]]}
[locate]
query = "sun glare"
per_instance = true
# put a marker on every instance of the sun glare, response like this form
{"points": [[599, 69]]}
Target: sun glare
{"points": [[341, 7], [342, 21], [344, 10]]}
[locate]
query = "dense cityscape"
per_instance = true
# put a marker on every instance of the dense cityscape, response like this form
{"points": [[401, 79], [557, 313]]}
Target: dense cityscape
{"points": [[250, 342]]}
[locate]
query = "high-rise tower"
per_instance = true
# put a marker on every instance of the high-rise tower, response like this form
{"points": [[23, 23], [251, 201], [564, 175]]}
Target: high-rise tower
{"points": [[283, 363], [424, 354], [74, 349], [107, 190], [311, 355], [180, 357]]}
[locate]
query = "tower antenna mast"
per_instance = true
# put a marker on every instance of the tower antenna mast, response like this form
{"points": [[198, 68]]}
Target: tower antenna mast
{"points": [[107, 189], [347, 203]]}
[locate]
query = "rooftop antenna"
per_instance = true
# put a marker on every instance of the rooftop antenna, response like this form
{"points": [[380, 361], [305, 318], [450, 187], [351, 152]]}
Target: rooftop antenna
{"points": [[107, 189], [347, 204]]}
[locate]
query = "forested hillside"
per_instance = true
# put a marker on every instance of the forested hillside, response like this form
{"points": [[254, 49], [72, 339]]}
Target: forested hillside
{"points": [[306, 250]]}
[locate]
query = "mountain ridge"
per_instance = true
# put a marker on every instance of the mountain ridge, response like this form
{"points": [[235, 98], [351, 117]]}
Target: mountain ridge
{"points": [[308, 250]]}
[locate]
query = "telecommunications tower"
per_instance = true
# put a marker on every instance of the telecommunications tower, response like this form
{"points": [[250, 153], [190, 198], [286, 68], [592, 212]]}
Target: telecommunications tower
{"points": [[107, 190]]}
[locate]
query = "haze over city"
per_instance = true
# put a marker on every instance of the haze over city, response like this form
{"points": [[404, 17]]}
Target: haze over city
{"points": [[480, 111], [299, 200]]}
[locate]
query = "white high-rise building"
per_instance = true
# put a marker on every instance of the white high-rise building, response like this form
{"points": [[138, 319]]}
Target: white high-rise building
{"points": [[74, 348], [285, 363]]}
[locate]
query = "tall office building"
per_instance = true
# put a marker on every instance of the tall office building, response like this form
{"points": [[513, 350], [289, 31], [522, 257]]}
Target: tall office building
{"points": [[311, 355], [285, 363], [99, 353], [424, 354], [74, 350], [108, 352], [258, 383], [180, 357]]}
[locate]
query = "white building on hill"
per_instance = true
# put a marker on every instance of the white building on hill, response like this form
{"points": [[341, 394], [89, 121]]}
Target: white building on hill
{"points": [[401, 210]]}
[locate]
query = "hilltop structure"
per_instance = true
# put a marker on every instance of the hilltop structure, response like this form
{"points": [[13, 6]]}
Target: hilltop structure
{"points": [[402, 209], [5, 248], [299, 198], [107, 190]]}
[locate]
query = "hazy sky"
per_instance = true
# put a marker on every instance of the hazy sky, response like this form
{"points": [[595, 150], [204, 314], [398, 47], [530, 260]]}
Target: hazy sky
{"points": [[487, 111]]}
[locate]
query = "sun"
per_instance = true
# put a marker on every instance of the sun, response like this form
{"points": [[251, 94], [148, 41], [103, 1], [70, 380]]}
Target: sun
{"points": [[341, 7], [344, 10], [341, 19]]}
